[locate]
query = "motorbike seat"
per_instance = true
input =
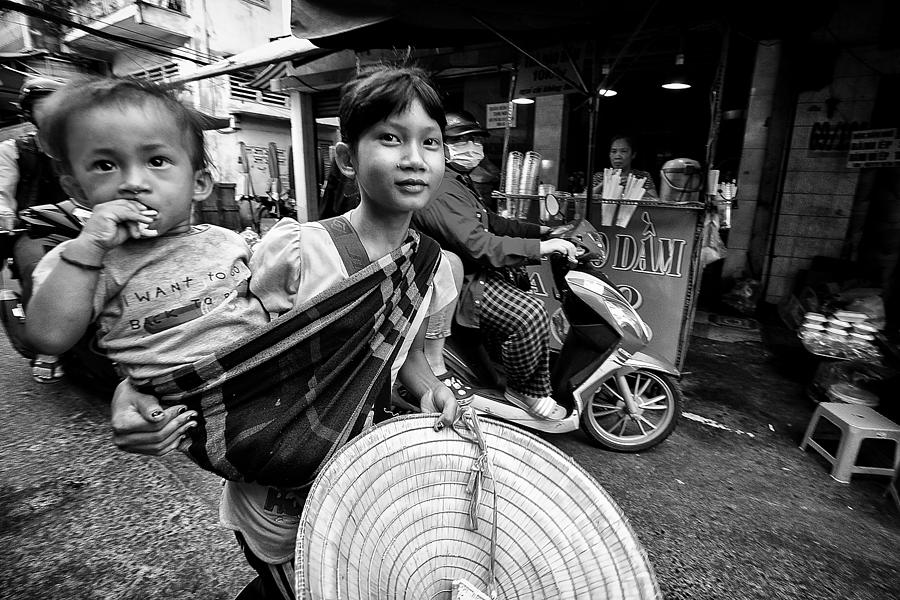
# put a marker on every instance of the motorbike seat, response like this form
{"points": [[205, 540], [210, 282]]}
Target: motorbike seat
{"points": [[468, 342]]}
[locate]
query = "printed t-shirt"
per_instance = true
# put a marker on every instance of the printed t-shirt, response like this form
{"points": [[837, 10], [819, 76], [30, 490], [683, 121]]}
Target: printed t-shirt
{"points": [[164, 302]]}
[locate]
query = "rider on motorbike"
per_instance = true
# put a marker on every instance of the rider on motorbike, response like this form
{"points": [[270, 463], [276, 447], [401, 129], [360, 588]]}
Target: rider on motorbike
{"points": [[28, 178], [513, 323]]}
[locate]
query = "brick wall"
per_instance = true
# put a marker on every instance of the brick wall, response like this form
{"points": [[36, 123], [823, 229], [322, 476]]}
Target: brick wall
{"points": [[819, 189]]}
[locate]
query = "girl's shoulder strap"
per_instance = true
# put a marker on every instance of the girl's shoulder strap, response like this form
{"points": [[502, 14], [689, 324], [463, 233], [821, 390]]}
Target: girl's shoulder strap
{"points": [[350, 248]]}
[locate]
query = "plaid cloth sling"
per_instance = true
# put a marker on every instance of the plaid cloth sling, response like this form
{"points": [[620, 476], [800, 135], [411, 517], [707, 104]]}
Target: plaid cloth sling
{"points": [[275, 407]]}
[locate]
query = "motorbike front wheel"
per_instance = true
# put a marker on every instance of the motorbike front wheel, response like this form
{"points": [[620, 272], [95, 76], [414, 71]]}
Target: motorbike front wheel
{"points": [[609, 422]]}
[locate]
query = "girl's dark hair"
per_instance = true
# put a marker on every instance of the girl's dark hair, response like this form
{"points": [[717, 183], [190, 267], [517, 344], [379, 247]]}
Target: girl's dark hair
{"points": [[374, 95], [90, 92]]}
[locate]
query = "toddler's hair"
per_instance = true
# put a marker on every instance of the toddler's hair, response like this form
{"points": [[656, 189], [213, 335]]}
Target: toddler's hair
{"points": [[90, 92], [379, 92]]}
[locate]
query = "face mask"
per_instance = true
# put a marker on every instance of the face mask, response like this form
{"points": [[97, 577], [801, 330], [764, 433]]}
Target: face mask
{"points": [[466, 155]]}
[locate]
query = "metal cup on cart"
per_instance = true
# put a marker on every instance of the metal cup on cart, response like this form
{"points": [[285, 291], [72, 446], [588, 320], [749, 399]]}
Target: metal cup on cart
{"points": [[544, 190]]}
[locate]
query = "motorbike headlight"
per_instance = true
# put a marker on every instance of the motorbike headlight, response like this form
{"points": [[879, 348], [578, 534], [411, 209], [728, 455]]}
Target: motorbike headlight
{"points": [[626, 316]]}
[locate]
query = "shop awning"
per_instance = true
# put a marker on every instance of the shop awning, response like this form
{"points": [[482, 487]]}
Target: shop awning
{"points": [[291, 48], [359, 24]]}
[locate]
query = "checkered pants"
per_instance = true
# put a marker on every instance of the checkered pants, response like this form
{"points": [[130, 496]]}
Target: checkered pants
{"points": [[516, 327]]}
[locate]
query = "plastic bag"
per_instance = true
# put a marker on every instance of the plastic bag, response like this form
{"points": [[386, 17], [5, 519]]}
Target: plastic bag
{"points": [[711, 246], [870, 304], [862, 374], [743, 296]]}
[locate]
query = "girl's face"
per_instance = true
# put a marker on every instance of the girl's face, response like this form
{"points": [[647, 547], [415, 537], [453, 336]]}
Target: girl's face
{"points": [[620, 155], [399, 162], [138, 153]]}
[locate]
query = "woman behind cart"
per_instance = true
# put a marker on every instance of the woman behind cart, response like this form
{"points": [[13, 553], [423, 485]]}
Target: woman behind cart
{"points": [[621, 154]]}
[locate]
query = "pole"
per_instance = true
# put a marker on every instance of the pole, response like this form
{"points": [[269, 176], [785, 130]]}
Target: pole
{"points": [[509, 115], [593, 110]]}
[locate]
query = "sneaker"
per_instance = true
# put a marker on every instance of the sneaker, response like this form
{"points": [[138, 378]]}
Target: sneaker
{"points": [[543, 407], [47, 369]]}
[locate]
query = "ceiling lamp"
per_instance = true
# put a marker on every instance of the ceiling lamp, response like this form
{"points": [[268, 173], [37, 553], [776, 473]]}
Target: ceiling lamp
{"points": [[522, 100], [677, 79], [606, 92]]}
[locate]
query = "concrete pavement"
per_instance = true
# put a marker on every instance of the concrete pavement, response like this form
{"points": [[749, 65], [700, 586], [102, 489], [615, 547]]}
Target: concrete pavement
{"points": [[728, 507]]}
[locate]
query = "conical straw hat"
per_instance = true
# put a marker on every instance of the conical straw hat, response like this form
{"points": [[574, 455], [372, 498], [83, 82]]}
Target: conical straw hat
{"points": [[388, 517]]}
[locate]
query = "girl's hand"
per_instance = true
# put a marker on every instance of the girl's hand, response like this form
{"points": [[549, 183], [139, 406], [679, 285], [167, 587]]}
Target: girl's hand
{"points": [[440, 399], [141, 426], [112, 223]]}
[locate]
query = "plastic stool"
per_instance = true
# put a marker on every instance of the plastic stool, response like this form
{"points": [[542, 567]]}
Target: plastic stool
{"points": [[856, 423]]}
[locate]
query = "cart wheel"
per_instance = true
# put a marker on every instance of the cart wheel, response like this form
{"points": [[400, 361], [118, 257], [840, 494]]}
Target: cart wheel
{"points": [[609, 423]]}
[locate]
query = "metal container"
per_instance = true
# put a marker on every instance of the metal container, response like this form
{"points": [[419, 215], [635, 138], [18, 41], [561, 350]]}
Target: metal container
{"points": [[680, 181]]}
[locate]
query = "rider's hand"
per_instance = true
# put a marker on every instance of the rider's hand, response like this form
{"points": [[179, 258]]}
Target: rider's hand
{"points": [[141, 426], [113, 222], [559, 246]]}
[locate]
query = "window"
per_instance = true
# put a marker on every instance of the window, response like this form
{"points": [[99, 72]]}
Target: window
{"points": [[158, 74], [242, 92]]}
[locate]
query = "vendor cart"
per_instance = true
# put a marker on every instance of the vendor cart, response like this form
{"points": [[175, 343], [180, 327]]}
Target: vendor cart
{"points": [[653, 260]]}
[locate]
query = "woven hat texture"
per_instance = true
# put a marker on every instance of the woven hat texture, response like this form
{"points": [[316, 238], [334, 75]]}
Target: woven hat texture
{"points": [[388, 517]]}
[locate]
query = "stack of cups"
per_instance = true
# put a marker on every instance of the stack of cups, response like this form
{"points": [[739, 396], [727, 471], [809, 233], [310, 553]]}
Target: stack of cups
{"points": [[528, 184], [531, 173], [511, 183]]}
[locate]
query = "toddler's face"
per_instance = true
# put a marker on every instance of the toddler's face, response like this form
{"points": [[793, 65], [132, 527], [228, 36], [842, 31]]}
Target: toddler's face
{"points": [[399, 162], [136, 153]]}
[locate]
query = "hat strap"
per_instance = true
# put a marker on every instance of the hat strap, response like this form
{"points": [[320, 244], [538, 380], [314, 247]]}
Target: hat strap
{"points": [[468, 427]]}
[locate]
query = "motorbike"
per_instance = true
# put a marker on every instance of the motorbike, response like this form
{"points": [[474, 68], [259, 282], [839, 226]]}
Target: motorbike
{"points": [[53, 224], [623, 396]]}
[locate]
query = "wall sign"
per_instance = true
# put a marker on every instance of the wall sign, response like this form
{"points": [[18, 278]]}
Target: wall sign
{"points": [[496, 115], [874, 148]]}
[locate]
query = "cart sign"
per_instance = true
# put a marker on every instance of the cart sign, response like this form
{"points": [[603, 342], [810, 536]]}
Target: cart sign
{"points": [[496, 115], [653, 261], [874, 148]]}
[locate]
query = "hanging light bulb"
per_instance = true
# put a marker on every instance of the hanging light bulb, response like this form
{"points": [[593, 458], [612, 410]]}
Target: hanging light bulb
{"points": [[677, 79], [523, 100], [606, 92]]}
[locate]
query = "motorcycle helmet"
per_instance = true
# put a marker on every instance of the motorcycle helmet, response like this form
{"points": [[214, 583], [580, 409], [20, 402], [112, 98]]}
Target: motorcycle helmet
{"points": [[462, 122], [32, 89]]}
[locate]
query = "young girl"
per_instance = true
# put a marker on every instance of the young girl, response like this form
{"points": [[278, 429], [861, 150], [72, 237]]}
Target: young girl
{"points": [[391, 124]]}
